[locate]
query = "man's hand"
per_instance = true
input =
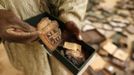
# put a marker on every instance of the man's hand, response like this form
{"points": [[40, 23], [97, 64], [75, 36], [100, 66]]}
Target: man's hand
{"points": [[72, 28], [14, 30]]}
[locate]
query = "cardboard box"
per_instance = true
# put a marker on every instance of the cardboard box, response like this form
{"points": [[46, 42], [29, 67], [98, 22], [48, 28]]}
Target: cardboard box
{"points": [[103, 52], [130, 29], [89, 51], [109, 47], [98, 63], [120, 40], [121, 55], [118, 63], [92, 36]]}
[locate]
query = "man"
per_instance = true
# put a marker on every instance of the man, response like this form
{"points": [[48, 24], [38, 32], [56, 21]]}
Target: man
{"points": [[19, 38]]}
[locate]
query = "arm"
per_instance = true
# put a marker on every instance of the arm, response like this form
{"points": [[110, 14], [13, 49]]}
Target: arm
{"points": [[70, 10], [73, 10]]}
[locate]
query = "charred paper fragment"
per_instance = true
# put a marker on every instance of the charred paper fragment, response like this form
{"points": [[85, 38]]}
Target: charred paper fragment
{"points": [[74, 52], [51, 34]]}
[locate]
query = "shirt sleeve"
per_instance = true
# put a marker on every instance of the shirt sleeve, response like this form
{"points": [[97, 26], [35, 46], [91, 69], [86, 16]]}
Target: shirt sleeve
{"points": [[1, 7], [71, 10], [1, 4]]}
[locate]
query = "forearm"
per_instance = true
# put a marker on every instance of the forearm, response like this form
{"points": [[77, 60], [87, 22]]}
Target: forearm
{"points": [[70, 10], [73, 10]]}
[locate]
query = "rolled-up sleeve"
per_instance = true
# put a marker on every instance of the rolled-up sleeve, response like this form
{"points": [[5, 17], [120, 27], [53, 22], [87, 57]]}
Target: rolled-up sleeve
{"points": [[72, 10]]}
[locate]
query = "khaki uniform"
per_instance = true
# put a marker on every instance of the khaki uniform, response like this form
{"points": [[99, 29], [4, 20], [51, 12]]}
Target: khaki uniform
{"points": [[32, 58]]}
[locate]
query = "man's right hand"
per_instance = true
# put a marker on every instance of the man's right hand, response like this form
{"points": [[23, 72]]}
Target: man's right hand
{"points": [[15, 30], [72, 28]]}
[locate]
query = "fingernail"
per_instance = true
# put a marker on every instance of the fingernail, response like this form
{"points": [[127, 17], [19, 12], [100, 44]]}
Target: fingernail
{"points": [[40, 32], [80, 37]]}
